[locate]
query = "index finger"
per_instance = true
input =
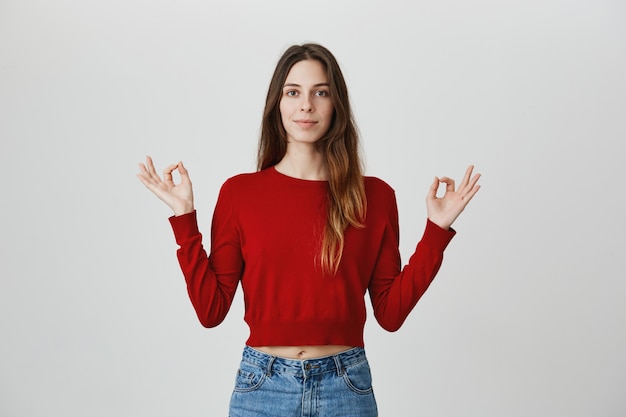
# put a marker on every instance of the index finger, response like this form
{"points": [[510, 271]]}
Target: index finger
{"points": [[167, 172], [449, 183]]}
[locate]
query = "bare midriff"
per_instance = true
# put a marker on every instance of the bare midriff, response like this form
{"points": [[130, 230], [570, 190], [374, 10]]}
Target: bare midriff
{"points": [[303, 352]]}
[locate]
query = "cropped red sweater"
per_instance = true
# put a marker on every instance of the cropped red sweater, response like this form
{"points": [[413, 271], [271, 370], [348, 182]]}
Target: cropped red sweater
{"points": [[266, 232]]}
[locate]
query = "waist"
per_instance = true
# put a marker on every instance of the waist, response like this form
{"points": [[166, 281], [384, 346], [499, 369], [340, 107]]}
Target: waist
{"points": [[332, 363], [303, 352]]}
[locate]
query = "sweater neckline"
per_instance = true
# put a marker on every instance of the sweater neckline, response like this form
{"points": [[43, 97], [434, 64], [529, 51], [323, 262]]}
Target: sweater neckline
{"points": [[297, 181]]}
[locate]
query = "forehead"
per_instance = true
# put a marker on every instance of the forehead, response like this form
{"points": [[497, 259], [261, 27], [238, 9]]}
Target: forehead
{"points": [[307, 72]]}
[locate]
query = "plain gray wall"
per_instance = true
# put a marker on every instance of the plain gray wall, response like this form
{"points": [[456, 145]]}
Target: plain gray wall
{"points": [[527, 316]]}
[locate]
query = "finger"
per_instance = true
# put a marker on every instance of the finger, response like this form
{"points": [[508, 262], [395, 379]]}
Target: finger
{"points": [[142, 168], [468, 197], [147, 180], [184, 174], [474, 180], [167, 174], [151, 170], [145, 176], [449, 183], [432, 191], [471, 186], [466, 177], [150, 165], [142, 179]]}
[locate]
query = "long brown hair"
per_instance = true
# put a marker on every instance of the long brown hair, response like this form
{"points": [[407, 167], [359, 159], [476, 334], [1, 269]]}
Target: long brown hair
{"points": [[339, 148]]}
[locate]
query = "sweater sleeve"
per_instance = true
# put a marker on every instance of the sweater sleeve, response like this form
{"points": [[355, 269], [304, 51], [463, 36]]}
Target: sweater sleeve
{"points": [[211, 280], [394, 292]]}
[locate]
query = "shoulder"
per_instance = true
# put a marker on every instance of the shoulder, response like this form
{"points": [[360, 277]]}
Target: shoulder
{"points": [[374, 186], [246, 181], [381, 198], [381, 201]]}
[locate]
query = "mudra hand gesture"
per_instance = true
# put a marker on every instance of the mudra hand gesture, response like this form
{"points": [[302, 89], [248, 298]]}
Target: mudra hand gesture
{"points": [[443, 211], [179, 197]]}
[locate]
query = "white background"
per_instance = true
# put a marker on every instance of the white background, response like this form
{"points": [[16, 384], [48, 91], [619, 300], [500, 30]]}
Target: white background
{"points": [[527, 315]]}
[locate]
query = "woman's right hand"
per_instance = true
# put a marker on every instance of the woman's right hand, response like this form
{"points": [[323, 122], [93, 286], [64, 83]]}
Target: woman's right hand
{"points": [[179, 197]]}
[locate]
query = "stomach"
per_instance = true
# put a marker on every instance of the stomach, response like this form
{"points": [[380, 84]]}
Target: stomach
{"points": [[302, 352]]}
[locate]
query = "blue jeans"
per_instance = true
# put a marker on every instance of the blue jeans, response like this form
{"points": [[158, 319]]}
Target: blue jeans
{"points": [[334, 386]]}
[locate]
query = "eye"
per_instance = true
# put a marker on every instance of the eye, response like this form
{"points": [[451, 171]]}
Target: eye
{"points": [[291, 93], [322, 93]]}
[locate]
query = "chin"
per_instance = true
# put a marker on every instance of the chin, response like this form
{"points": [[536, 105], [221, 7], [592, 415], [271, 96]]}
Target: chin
{"points": [[305, 139]]}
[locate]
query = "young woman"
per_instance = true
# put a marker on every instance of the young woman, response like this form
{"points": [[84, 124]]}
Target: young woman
{"points": [[307, 235]]}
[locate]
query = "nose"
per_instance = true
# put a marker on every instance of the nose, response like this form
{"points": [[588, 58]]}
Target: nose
{"points": [[306, 105]]}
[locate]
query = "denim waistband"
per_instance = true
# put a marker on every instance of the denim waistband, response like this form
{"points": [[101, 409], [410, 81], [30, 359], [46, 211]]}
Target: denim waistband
{"points": [[333, 363]]}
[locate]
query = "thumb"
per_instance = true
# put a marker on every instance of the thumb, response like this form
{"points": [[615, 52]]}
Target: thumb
{"points": [[184, 174], [432, 191]]}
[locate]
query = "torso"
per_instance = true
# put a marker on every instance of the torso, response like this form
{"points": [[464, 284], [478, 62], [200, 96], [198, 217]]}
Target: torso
{"points": [[272, 224], [303, 352]]}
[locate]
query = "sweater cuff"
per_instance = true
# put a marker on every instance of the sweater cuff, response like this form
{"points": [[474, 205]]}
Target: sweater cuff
{"points": [[184, 226], [435, 237]]}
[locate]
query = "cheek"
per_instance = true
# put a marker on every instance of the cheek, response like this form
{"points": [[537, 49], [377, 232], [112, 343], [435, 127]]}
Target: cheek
{"points": [[285, 107], [283, 111], [329, 112], [330, 108]]}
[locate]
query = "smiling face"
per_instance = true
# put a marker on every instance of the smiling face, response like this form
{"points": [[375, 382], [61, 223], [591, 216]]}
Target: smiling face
{"points": [[306, 107]]}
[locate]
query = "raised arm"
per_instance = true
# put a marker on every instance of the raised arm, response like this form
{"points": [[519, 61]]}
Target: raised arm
{"points": [[211, 281], [395, 291]]}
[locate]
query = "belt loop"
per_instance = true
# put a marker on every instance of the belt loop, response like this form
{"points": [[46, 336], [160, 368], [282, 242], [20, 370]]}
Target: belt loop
{"points": [[338, 365], [270, 362]]}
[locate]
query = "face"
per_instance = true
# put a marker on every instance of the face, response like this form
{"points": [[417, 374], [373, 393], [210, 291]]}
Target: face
{"points": [[306, 108]]}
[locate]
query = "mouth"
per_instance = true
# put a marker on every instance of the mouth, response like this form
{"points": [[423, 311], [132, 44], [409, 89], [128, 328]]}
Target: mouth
{"points": [[305, 123]]}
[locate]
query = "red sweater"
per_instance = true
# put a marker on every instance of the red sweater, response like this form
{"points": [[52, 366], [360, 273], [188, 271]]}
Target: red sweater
{"points": [[266, 233]]}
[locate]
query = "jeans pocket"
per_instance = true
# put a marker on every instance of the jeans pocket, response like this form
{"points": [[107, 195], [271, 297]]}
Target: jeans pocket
{"points": [[249, 378], [359, 378]]}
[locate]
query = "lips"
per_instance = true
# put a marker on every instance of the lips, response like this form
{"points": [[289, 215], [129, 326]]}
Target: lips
{"points": [[305, 123]]}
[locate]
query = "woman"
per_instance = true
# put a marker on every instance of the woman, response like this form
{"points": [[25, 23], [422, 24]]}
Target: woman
{"points": [[306, 235]]}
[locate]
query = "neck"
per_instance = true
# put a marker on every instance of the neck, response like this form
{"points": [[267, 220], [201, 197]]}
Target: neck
{"points": [[303, 163]]}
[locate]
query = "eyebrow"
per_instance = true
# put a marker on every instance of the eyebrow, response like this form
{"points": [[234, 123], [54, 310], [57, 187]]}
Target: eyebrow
{"points": [[298, 85]]}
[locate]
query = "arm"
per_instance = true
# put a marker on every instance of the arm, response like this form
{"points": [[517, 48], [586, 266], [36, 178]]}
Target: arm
{"points": [[394, 292], [211, 282]]}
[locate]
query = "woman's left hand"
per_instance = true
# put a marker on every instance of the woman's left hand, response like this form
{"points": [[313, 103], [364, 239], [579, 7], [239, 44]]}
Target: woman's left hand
{"points": [[443, 211]]}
